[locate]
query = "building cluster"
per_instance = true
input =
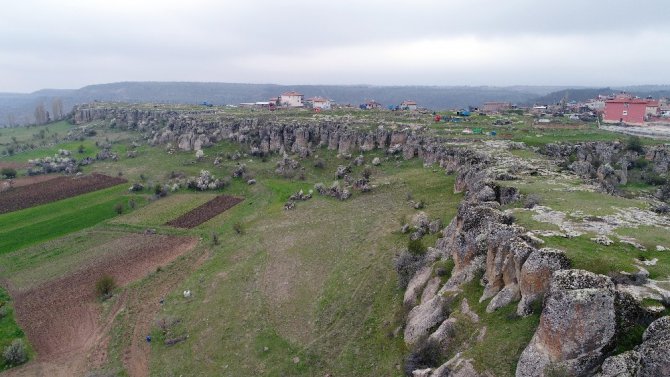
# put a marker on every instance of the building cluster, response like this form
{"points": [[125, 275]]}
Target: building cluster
{"points": [[619, 108], [295, 100], [626, 109]]}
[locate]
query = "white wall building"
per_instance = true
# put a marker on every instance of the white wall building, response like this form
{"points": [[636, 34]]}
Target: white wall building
{"points": [[291, 99], [320, 103]]}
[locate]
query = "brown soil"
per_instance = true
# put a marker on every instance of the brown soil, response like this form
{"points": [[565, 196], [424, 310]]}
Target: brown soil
{"points": [[62, 318], [205, 212], [13, 165], [55, 189], [25, 181]]}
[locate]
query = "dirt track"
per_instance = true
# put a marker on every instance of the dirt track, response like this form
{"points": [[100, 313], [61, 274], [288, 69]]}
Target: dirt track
{"points": [[62, 318], [205, 212], [55, 189]]}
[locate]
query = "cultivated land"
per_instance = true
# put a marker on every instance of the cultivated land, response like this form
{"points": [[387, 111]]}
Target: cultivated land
{"points": [[301, 292]]}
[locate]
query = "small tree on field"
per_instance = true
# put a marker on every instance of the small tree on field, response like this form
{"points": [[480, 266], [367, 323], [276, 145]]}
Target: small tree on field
{"points": [[8, 173], [118, 208], [104, 287]]}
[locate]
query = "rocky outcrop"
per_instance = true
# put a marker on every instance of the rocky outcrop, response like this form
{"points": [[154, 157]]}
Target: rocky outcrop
{"points": [[654, 355], [651, 358], [416, 286], [536, 274], [425, 317], [577, 327]]}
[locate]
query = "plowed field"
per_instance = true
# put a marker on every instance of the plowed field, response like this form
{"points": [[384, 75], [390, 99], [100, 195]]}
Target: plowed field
{"points": [[61, 316], [205, 212], [54, 189]]}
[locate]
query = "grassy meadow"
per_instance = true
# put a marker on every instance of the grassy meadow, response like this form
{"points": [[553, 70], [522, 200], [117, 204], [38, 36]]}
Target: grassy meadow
{"points": [[304, 292]]}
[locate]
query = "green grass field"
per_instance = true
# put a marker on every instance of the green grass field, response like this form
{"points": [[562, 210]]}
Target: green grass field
{"points": [[37, 224]]}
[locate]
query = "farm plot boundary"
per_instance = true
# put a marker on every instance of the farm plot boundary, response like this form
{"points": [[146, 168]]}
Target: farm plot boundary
{"points": [[205, 212], [53, 190]]}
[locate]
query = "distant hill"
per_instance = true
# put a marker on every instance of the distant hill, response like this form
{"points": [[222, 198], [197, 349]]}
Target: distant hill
{"points": [[21, 106], [583, 94], [578, 95]]}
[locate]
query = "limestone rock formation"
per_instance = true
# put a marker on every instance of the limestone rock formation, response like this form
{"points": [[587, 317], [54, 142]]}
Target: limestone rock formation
{"points": [[424, 317], [577, 326]]}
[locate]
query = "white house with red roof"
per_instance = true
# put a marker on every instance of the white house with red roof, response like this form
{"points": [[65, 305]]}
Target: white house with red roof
{"points": [[319, 103], [291, 99], [408, 105]]}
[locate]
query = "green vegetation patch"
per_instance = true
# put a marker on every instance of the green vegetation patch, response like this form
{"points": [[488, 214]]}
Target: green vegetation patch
{"points": [[33, 225]]}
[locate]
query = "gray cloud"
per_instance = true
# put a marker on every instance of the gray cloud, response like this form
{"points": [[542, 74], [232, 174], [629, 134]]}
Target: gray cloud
{"points": [[77, 42]]}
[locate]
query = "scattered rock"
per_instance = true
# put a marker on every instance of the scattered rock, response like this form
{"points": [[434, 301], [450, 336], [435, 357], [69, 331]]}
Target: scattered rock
{"points": [[603, 240], [376, 161]]}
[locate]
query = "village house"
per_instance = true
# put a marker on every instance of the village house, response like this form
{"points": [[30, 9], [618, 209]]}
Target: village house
{"points": [[319, 103], [626, 109], [495, 107], [408, 105], [371, 105], [653, 108], [291, 99], [664, 108]]}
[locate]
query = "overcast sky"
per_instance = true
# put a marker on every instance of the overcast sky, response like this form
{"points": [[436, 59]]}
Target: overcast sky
{"points": [[73, 43]]}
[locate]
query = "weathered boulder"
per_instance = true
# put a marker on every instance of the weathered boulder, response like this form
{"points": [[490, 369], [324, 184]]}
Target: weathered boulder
{"points": [[431, 289], [444, 335], [505, 255], [577, 327], [416, 286], [420, 220], [654, 354], [536, 274], [424, 317], [625, 364]]}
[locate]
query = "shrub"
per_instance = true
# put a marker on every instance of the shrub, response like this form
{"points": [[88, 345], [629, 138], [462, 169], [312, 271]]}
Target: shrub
{"points": [[531, 201], [634, 144], [118, 208], [416, 247], [238, 228], [4, 310], [426, 354], [104, 286], [319, 164], [367, 172], [8, 173], [81, 149], [406, 265], [132, 204], [15, 353], [654, 179], [215, 239]]}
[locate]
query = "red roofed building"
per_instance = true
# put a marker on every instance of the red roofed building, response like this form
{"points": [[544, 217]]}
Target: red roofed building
{"points": [[625, 109], [408, 105], [291, 99]]}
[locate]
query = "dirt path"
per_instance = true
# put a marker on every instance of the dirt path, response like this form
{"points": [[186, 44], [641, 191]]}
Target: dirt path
{"points": [[62, 318]]}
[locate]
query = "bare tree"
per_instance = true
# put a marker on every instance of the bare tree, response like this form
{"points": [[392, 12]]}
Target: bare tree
{"points": [[41, 115], [11, 120], [57, 108]]}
